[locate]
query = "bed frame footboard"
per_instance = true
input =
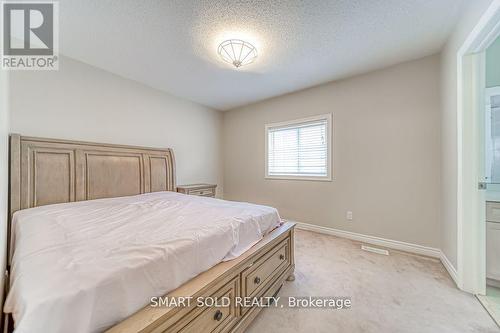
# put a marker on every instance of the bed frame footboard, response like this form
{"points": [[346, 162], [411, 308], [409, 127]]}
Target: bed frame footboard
{"points": [[257, 274]]}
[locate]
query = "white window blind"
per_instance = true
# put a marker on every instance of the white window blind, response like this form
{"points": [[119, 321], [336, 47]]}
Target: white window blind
{"points": [[299, 149]]}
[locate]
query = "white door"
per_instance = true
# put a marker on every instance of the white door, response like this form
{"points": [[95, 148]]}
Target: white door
{"points": [[472, 235]]}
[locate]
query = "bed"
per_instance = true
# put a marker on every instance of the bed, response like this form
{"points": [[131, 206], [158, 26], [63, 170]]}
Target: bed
{"points": [[97, 230]]}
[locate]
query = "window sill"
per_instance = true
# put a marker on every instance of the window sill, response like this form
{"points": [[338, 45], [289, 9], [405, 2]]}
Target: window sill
{"points": [[317, 179]]}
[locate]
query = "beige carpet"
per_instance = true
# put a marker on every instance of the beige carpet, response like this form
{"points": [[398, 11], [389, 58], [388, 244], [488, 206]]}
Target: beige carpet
{"points": [[396, 293]]}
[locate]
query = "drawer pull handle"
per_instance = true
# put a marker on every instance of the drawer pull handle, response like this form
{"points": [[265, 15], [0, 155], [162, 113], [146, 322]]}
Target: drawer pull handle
{"points": [[256, 280], [282, 257], [218, 315]]}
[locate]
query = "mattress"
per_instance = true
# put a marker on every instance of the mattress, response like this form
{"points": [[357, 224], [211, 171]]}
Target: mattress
{"points": [[85, 266]]}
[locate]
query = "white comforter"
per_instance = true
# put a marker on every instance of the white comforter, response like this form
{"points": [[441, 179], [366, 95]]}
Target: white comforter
{"points": [[84, 266]]}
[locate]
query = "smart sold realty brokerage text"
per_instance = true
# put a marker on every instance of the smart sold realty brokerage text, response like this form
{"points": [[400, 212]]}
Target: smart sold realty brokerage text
{"points": [[247, 302]]}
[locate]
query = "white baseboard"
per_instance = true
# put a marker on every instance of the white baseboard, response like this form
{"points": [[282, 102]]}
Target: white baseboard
{"points": [[383, 242], [449, 267], [388, 243]]}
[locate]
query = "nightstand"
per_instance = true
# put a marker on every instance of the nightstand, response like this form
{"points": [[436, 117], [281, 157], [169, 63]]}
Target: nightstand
{"points": [[204, 190]]}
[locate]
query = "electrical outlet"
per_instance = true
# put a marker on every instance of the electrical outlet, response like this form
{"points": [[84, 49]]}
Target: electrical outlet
{"points": [[349, 216]]}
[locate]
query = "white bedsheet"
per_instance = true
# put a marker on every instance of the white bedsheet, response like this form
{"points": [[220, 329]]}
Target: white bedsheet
{"points": [[84, 266]]}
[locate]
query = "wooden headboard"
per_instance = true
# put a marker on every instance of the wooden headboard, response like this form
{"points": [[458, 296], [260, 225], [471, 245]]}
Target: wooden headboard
{"points": [[48, 171]]}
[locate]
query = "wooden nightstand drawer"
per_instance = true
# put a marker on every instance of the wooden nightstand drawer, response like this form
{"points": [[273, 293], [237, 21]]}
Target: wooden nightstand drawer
{"points": [[204, 190], [209, 192]]}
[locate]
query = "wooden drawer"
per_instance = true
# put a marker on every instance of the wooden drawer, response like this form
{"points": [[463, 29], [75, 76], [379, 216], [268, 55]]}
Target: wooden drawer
{"points": [[216, 319], [210, 319], [493, 211], [257, 277], [204, 190], [208, 192]]}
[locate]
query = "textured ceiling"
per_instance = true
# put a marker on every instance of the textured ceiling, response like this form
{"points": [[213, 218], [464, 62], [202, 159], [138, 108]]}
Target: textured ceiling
{"points": [[171, 45]]}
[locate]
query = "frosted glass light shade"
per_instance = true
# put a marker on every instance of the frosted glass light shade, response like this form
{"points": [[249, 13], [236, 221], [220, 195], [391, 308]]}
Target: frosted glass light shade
{"points": [[237, 52]]}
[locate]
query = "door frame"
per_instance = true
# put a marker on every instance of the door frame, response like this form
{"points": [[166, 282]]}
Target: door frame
{"points": [[471, 220]]}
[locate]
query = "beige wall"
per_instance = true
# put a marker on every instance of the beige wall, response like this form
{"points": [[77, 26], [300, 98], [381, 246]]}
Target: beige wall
{"points": [[386, 154], [4, 139], [472, 13], [85, 103]]}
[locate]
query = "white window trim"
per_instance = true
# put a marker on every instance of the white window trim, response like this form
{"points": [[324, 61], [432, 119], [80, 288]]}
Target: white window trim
{"points": [[329, 134]]}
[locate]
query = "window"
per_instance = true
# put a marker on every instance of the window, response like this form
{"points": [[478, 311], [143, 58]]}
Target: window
{"points": [[299, 149]]}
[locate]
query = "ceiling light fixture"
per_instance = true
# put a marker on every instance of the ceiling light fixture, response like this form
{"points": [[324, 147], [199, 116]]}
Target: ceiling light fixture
{"points": [[237, 52]]}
